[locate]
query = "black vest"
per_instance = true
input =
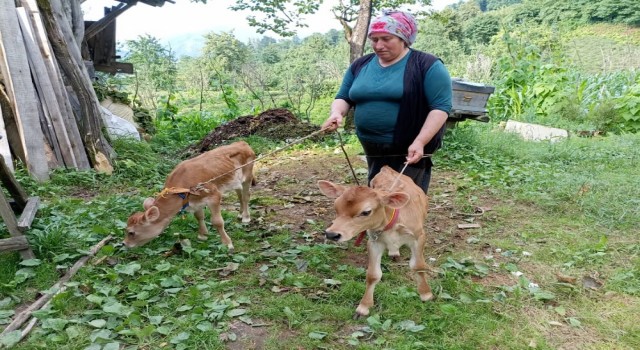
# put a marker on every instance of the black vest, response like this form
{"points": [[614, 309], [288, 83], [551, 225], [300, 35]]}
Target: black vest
{"points": [[414, 106]]}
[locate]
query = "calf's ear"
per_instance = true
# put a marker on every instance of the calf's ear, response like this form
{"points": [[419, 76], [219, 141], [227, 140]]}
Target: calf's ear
{"points": [[330, 189], [148, 203], [152, 214], [396, 200]]}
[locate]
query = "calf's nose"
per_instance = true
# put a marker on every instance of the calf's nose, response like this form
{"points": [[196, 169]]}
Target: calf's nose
{"points": [[332, 235]]}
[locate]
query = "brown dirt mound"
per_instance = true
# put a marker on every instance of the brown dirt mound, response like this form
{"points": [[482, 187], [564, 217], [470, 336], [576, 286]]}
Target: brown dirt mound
{"points": [[275, 124]]}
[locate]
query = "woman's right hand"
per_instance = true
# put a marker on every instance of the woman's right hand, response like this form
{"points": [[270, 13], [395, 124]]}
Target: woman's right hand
{"points": [[333, 122]]}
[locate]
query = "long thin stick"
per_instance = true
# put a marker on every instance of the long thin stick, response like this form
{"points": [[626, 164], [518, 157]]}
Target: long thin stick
{"points": [[34, 320], [347, 156], [38, 304]]}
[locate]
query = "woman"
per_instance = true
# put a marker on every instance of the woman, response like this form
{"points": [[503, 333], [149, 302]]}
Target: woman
{"points": [[401, 96]]}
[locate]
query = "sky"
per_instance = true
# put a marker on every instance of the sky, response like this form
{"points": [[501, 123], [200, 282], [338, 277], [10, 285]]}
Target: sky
{"points": [[183, 24]]}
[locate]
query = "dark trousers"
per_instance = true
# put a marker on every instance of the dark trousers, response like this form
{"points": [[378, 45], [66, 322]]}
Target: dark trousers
{"points": [[381, 154]]}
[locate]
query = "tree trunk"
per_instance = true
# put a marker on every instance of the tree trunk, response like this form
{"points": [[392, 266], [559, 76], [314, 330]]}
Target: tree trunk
{"points": [[359, 34], [67, 53]]}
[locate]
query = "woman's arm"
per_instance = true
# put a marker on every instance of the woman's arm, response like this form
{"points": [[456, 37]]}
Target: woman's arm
{"points": [[435, 120], [339, 109], [439, 96]]}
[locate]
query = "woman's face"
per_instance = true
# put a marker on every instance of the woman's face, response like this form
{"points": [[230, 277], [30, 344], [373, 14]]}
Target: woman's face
{"points": [[387, 47]]}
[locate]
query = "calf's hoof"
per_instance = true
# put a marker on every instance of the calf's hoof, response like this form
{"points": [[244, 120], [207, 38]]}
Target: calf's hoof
{"points": [[361, 311], [202, 237], [245, 219], [426, 296]]}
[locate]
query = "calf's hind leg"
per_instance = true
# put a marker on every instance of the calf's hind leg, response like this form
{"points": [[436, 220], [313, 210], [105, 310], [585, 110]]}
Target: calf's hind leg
{"points": [[419, 267]]}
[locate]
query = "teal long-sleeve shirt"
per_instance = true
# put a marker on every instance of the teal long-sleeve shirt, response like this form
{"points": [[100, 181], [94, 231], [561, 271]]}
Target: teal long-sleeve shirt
{"points": [[377, 92]]}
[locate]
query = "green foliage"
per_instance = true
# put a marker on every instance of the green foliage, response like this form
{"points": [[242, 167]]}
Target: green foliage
{"points": [[482, 28], [627, 107], [278, 15], [155, 70], [553, 174], [490, 5], [224, 52]]}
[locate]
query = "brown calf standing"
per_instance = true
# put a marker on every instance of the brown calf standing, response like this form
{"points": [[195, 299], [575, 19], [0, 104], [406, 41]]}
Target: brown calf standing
{"points": [[390, 219], [214, 171]]}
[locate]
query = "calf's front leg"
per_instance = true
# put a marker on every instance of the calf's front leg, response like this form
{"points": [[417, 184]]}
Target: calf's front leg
{"points": [[374, 274], [218, 222], [202, 227]]}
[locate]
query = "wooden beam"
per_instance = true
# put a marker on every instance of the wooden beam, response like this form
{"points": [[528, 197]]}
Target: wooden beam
{"points": [[98, 26], [13, 187], [116, 67], [21, 90], [10, 222], [28, 214], [14, 243]]}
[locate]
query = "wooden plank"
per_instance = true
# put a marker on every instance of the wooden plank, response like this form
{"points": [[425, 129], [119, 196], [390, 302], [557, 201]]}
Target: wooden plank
{"points": [[14, 243], [23, 92], [9, 218], [116, 67], [8, 110], [29, 212], [13, 187], [5, 151], [45, 90], [75, 139], [54, 157]]}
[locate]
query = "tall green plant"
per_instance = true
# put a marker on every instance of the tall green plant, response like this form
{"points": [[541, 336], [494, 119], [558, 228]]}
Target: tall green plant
{"points": [[515, 73]]}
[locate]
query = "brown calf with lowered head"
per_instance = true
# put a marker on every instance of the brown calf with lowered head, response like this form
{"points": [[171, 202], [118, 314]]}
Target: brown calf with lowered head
{"points": [[193, 184], [391, 220]]}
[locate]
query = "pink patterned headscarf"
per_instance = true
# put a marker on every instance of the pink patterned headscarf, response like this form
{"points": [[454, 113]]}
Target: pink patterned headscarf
{"points": [[398, 23]]}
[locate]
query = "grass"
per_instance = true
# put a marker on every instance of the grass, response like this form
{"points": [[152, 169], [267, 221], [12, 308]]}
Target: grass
{"points": [[568, 208]]}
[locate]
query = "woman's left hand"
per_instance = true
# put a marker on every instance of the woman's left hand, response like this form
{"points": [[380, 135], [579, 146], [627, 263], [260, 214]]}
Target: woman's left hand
{"points": [[415, 152]]}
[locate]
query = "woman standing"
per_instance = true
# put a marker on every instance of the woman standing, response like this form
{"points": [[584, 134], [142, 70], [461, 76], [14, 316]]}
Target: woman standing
{"points": [[401, 96]]}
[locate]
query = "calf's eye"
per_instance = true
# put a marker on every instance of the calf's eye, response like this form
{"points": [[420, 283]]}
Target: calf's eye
{"points": [[365, 213]]}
